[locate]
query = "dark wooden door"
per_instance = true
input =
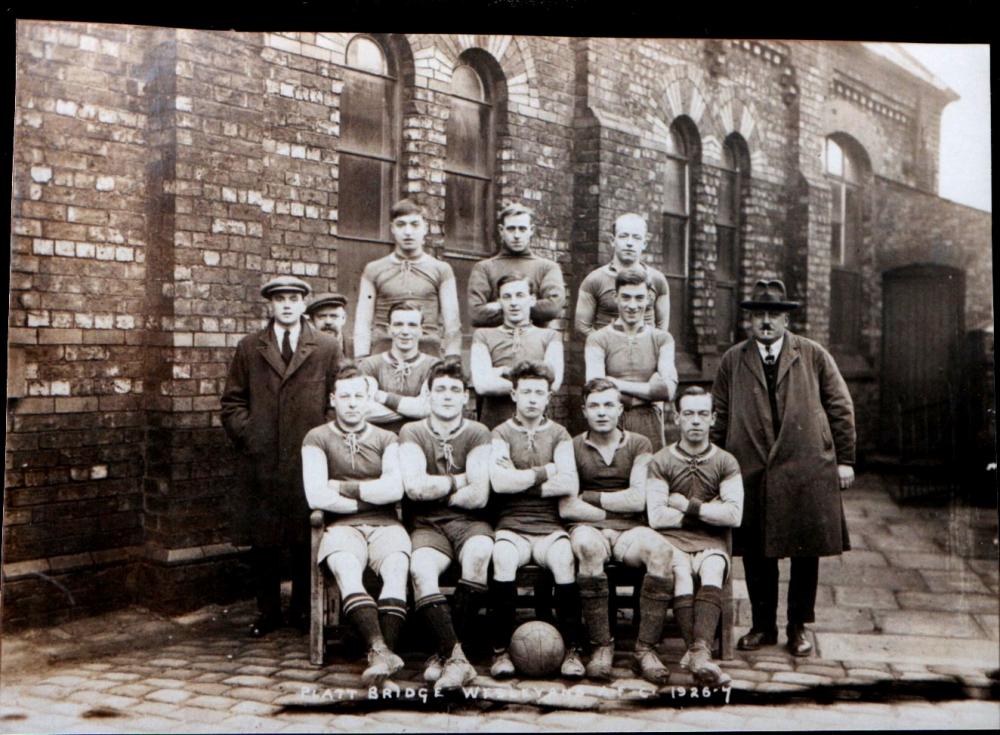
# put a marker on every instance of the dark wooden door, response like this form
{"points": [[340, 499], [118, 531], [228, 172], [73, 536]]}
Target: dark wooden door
{"points": [[922, 326]]}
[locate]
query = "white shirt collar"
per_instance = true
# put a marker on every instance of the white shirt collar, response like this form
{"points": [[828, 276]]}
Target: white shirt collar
{"points": [[296, 330], [775, 347]]}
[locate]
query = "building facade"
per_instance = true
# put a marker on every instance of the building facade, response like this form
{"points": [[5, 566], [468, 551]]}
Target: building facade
{"points": [[162, 175]]}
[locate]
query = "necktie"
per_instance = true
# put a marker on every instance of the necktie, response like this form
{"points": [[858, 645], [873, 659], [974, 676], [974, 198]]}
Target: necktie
{"points": [[286, 346], [768, 357]]}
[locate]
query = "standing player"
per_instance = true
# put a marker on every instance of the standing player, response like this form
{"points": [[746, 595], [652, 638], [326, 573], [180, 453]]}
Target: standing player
{"points": [[445, 465], [351, 469], [496, 350], [328, 312], [277, 389], [596, 305], [516, 231], [637, 358], [612, 466], [695, 494], [534, 475], [401, 372], [407, 274]]}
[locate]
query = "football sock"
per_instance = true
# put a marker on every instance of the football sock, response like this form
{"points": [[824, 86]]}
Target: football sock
{"points": [[594, 598], [391, 616], [567, 602], [684, 615], [468, 600], [360, 609], [503, 605], [654, 597], [707, 609], [435, 611]]}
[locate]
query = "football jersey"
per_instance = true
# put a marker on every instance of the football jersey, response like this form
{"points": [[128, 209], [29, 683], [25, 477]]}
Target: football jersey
{"points": [[545, 274], [403, 377], [632, 357], [527, 511], [598, 475], [398, 279], [600, 286], [508, 346], [355, 456], [697, 477], [445, 455]]}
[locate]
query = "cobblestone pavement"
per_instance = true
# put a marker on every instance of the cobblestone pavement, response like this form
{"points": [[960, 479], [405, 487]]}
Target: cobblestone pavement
{"points": [[906, 634]]}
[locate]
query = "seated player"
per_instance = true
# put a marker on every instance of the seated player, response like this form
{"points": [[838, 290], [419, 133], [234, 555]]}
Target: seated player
{"points": [[612, 466], [351, 469], [694, 494], [534, 477], [495, 350], [445, 461], [636, 357], [400, 372]]}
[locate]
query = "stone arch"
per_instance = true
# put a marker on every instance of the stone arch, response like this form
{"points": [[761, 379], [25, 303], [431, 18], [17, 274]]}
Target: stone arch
{"points": [[735, 113]]}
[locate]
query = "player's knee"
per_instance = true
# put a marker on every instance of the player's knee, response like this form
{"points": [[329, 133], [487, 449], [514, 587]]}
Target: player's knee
{"points": [[422, 569], [659, 558], [476, 555], [505, 559], [395, 566], [591, 553], [560, 560], [713, 571]]}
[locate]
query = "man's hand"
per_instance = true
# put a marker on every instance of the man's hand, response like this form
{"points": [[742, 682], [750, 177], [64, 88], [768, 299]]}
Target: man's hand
{"points": [[677, 502], [505, 463], [846, 474]]}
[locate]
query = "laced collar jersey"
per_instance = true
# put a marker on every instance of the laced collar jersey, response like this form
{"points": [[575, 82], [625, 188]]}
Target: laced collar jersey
{"points": [[402, 369], [445, 442], [352, 439], [529, 432], [693, 459]]}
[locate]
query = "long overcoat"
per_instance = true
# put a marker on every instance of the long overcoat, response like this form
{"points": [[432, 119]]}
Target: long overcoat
{"points": [[267, 409], [792, 504]]}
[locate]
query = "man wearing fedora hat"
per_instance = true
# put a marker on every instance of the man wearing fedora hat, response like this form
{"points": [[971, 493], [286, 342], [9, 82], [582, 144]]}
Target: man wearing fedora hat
{"points": [[783, 410], [277, 389], [328, 312]]}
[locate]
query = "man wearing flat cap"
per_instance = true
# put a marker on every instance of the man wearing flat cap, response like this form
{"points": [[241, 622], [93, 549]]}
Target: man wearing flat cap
{"points": [[277, 389], [783, 410], [328, 312]]}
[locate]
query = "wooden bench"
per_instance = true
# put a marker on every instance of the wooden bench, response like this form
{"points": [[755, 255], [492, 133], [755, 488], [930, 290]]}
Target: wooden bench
{"points": [[325, 598]]}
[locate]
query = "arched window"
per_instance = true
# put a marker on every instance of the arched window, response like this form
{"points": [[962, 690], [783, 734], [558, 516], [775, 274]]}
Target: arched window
{"points": [[469, 162], [369, 122], [845, 164], [729, 227], [682, 152]]}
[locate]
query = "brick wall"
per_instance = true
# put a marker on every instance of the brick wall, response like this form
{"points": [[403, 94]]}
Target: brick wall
{"points": [[162, 175]]}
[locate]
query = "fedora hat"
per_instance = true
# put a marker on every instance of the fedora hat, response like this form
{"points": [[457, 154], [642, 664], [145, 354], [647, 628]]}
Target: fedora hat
{"points": [[769, 295]]}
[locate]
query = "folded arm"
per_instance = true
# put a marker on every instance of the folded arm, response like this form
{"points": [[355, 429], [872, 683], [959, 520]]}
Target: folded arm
{"points": [[630, 500], [363, 317], [451, 322], [661, 515], [474, 484], [486, 379], [417, 484]]}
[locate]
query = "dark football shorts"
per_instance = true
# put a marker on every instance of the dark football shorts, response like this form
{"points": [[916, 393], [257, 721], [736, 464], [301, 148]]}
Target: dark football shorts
{"points": [[447, 536]]}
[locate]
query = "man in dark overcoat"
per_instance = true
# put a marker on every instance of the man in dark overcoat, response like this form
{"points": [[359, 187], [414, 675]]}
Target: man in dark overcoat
{"points": [[783, 410], [277, 389]]}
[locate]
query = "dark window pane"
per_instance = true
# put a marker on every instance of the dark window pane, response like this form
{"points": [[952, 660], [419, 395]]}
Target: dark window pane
{"points": [[365, 188], [728, 256], [468, 138], [852, 227], [678, 310], [728, 198], [467, 206], [366, 114], [725, 314], [836, 245], [845, 309], [675, 245], [675, 186]]}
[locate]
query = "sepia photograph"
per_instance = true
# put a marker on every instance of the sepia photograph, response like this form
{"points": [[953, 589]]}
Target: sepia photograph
{"points": [[365, 381]]}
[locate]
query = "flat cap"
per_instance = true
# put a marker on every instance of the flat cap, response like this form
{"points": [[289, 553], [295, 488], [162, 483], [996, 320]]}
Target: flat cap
{"points": [[284, 283], [326, 299]]}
